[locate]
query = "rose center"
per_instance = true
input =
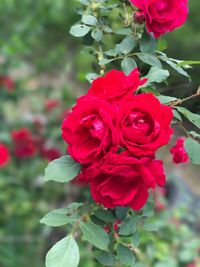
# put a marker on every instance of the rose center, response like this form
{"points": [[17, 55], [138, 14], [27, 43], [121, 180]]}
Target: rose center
{"points": [[94, 125], [139, 121]]}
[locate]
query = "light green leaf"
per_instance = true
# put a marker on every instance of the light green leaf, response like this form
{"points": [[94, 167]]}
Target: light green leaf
{"points": [[156, 75], [91, 77], [129, 226], [62, 170], [105, 61], [89, 20], [125, 255], [79, 30], [125, 31], [192, 117], [189, 62], [150, 59], [97, 34], [64, 253], [166, 99], [58, 217], [194, 134], [95, 235], [105, 258], [128, 64], [127, 45], [192, 147]]}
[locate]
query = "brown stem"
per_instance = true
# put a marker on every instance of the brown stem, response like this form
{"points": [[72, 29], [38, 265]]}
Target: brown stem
{"points": [[181, 101]]}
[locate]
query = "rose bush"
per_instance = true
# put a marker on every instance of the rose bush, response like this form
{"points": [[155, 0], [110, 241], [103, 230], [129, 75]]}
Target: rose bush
{"points": [[162, 16]]}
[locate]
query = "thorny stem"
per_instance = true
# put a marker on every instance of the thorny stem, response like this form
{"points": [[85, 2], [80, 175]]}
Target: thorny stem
{"points": [[185, 130], [181, 101]]}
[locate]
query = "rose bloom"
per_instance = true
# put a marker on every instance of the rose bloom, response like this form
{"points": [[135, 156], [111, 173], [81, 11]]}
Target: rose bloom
{"points": [[121, 180], [7, 82], [115, 84], [162, 16], [179, 153], [191, 265], [4, 155], [143, 124], [51, 104], [50, 153], [90, 130], [24, 145]]}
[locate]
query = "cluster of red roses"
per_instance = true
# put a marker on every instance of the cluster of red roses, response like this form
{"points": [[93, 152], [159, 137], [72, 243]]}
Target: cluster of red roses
{"points": [[26, 145], [161, 16], [114, 133]]}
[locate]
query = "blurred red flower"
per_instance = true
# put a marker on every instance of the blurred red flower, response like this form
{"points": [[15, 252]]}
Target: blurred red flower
{"points": [[4, 155], [179, 153], [7, 82]]}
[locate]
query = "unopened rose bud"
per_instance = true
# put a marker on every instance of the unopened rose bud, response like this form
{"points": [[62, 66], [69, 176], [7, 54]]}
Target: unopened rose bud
{"points": [[116, 225], [107, 229], [139, 17]]}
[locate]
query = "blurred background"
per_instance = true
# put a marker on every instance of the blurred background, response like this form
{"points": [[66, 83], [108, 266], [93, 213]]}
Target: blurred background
{"points": [[42, 71]]}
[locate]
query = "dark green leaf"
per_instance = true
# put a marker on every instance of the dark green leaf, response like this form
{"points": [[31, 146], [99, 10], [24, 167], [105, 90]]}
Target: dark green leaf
{"points": [[105, 215], [128, 64], [192, 117], [105, 258], [166, 99], [127, 45], [125, 255], [156, 75], [150, 59], [128, 226]]}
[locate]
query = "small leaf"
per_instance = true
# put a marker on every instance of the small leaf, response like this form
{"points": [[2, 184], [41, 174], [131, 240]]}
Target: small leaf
{"points": [[79, 30], [189, 62], [128, 64], [105, 61], [156, 75], [97, 34], [105, 258], [89, 20], [95, 235], [104, 215], [62, 170], [127, 45], [121, 212], [58, 217], [166, 99], [150, 59], [129, 226], [91, 77], [192, 117], [192, 147], [125, 255], [64, 253]]}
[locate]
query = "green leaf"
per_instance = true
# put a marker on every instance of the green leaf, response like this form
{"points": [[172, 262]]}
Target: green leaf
{"points": [[95, 235], [104, 215], [79, 30], [166, 99], [156, 75], [150, 59], [62, 170], [121, 212], [128, 64], [136, 239], [173, 65], [177, 115], [194, 134], [58, 217], [64, 253], [91, 77], [105, 258], [192, 147], [104, 61], [125, 31], [189, 62], [192, 117], [125, 255], [151, 227], [89, 20], [127, 45], [97, 34], [139, 264], [129, 226], [147, 44]]}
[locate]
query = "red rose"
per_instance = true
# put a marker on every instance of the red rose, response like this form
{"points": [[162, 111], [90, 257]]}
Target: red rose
{"points": [[121, 180], [50, 153], [115, 84], [164, 15], [179, 153], [24, 145], [7, 82], [51, 104], [90, 130], [4, 155], [143, 124]]}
